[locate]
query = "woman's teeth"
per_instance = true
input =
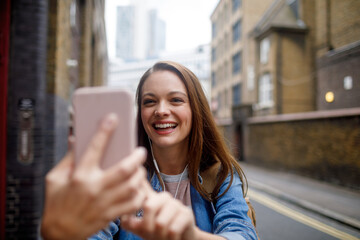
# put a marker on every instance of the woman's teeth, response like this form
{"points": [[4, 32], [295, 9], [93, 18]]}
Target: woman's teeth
{"points": [[165, 125]]}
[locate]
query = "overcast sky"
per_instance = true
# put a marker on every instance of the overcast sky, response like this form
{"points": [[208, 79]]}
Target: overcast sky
{"points": [[187, 21]]}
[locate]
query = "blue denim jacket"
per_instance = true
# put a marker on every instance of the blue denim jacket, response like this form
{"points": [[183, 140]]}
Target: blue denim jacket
{"points": [[227, 217]]}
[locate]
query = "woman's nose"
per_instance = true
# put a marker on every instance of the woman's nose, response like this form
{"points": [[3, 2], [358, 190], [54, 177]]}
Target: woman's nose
{"points": [[162, 110]]}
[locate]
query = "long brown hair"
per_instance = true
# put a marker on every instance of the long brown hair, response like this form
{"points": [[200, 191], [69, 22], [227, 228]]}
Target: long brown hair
{"points": [[206, 145]]}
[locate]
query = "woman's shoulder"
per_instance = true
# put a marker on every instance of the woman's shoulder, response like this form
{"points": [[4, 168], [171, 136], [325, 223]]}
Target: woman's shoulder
{"points": [[210, 176]]}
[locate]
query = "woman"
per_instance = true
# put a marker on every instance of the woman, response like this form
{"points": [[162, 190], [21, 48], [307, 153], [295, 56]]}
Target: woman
{"points": [[187, 158]]}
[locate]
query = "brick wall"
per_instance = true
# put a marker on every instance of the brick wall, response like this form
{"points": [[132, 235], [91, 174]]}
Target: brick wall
{"points": [[296, 77], [323, 145], [27, 79], [42, 41], [337, 24], [345, 22], [332, 69]]}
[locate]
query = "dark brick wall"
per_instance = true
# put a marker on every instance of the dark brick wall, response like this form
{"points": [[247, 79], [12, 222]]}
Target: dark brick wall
{"points": [[326, 148], [42, 41], [332, 69], [27, 66]]}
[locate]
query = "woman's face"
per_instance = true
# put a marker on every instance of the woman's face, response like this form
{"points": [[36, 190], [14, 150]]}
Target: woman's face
{"points": [[165, 110]]}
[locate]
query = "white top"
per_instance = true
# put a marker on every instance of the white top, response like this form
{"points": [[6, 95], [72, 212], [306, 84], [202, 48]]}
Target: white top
{"points": [[174, 184]]}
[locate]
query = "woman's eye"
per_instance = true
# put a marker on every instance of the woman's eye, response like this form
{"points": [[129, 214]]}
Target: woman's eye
{"points": [[148, 101], [177, 100]]}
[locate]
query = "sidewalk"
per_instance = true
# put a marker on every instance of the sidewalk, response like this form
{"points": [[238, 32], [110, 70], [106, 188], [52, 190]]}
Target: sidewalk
{"points": [[334, 202]]}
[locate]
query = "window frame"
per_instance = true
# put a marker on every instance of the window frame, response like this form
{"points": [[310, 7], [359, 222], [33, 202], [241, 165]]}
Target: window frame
{"points": [[237, 61], [236, 31], [266, 91], [265, 50]]}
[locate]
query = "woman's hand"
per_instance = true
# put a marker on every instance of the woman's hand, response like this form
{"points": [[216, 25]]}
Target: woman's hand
{"points": [[81, 200], [164, 218]]}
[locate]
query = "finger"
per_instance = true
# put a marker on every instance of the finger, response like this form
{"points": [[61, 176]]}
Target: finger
{"points": [[148, 221], [98, 144], [148, 189], [64, 167], [125, 191], [182, 226], [152, 206], [133, 224], [128, 207], [125, 168], [59, 176], [169, 211]]}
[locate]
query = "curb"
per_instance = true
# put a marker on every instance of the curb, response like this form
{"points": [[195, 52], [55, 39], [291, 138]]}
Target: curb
{"points": [[305, 204]]}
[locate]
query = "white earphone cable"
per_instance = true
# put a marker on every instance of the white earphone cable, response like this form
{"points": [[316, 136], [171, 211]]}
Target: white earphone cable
{"points": [[158, 170]]}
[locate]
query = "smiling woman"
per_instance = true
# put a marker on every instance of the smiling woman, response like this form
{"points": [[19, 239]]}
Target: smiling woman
{"points": [[197, 186], [166, 115]]}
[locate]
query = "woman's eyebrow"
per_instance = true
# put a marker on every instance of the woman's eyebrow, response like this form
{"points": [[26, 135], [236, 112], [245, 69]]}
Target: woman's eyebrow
{"points": [[148, 94], [177, 92], [169, 94]]}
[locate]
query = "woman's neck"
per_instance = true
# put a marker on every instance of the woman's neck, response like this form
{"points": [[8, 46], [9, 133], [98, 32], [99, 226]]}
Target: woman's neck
{"points": [[171, 160]]}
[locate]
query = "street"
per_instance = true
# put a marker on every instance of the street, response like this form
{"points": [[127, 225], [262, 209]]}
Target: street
{"points": [[278, 220], [289, 206]]}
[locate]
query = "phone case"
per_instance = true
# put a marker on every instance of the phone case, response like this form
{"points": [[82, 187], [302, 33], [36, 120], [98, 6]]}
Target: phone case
{"points": [[91, 105]]}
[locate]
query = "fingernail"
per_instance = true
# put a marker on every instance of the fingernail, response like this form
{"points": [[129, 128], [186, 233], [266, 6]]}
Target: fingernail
{"points": [[110, 121]]}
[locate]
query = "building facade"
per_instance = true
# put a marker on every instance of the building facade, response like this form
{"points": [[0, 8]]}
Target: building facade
{"points": [[140, 33], [291, 56], [337, 54], [125, 32], [307, 53], [157, 35], [285, 66], [232, 62], [299, 108]]}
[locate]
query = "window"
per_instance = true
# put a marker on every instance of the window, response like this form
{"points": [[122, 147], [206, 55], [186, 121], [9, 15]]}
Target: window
{"points": [[264, 50], [73, 11], [236, 31], [213, 30], [236, 94], [265, 91], [213, 79], [213, 54], [236, 4], [237, 63], [348, 82]]}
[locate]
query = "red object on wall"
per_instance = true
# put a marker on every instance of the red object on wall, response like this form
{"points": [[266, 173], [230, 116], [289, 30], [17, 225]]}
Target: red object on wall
{"points": [[4, 56]]}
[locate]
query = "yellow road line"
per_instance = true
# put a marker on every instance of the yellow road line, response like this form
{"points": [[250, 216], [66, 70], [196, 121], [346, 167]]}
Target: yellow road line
{"points": [[261, 198]]}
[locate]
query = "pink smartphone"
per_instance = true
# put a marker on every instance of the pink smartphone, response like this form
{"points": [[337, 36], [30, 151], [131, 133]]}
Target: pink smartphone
{"points": [[91, 105]]}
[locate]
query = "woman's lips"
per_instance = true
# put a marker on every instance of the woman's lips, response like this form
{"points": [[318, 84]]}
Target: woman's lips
{"points": [[164, 128]]}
